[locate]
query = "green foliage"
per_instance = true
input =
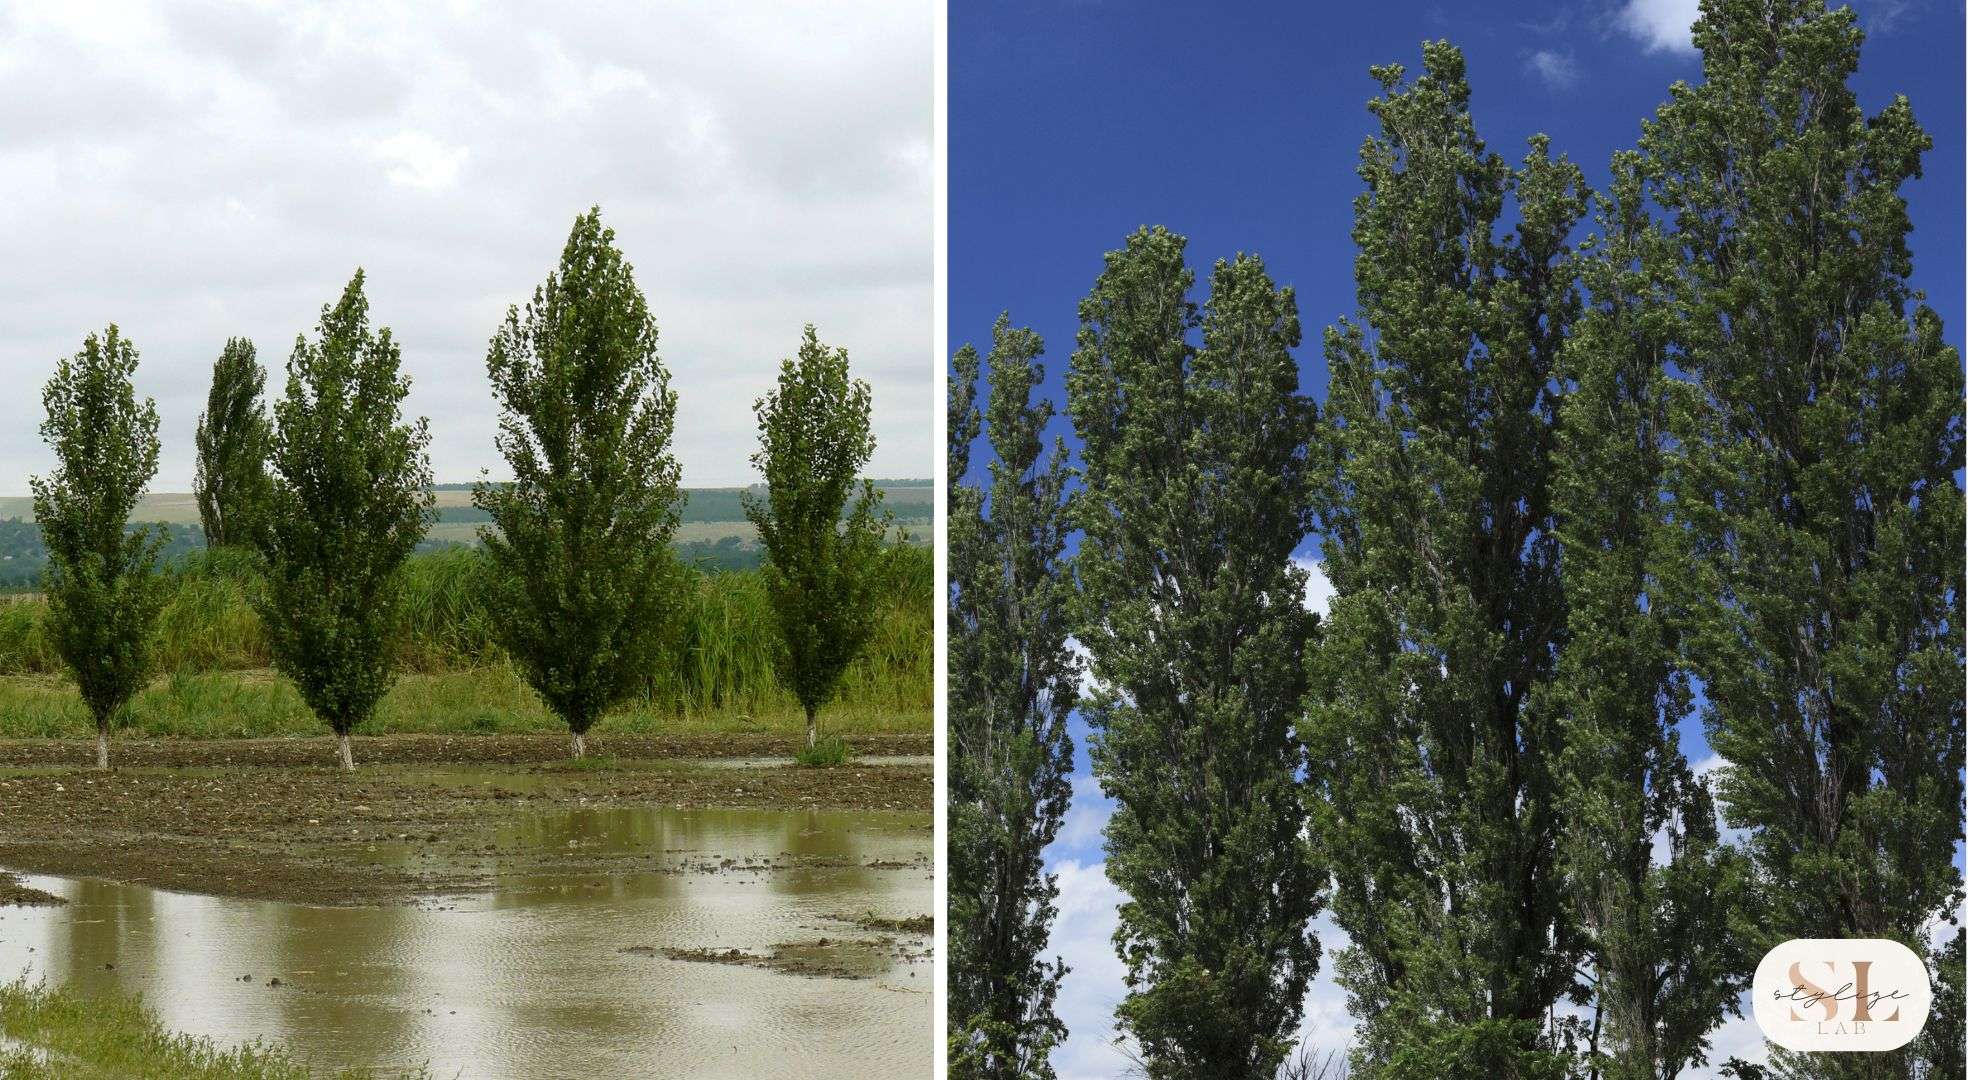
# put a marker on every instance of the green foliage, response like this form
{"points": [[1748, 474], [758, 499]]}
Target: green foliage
{"points": [[828, 752], [102, 586], [106, 1036], [230, 472], [1941, 1047], [1012, 681], [1433, 779], [584, 589], [1818, 484], [1196, 481], [822, 568], [1660, 927], [350, 502]]}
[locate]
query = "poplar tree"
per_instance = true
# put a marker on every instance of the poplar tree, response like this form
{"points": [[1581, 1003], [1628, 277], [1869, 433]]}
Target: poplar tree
{"points": [[102, 582], [821, 527], [585, 585], [1433, 780], [1012, 682], [230, 471], [1648, 883], [1819, 485], [352, 496], [1196, 479]]}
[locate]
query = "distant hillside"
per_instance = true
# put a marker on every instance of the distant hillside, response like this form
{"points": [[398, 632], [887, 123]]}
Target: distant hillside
{"points": [[713, 535]]}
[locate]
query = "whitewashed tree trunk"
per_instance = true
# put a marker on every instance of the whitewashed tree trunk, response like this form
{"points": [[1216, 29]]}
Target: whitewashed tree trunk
{"points": [[102, 746], [577, 745], [344, 750]]}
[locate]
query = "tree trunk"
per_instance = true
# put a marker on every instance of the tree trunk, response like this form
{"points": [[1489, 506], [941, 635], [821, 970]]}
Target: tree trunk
{"points": [[577, 746], [810, 728], [102, 742], [344, 750]]}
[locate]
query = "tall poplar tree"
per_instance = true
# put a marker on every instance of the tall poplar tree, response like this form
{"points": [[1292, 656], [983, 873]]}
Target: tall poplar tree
{"points": [[585, 583], [1434, 792], [822, 527], [1648, 883], [102, 582], [352, 496], [230, 471], [1196, 480], [1012, 682], [1819, 484]]}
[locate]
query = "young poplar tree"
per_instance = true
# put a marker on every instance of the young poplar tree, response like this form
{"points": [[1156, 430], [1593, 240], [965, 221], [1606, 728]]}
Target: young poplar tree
{"points": [[822, 527], [1196, 482], [1648, 882], [1432, 777], [230, 473], [585, 583], [1012, 681], [1820, 484], [102, 582], [351, 497]]}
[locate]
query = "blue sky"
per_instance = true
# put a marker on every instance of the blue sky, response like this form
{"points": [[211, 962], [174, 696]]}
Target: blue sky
{"points": [[1073, 123]]}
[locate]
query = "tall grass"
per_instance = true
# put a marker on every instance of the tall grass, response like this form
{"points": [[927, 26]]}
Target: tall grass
{"points": [[723, 658]]}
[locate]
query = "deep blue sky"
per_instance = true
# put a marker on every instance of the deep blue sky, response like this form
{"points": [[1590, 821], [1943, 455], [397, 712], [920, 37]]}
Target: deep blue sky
{"points": [[1073, 122]]}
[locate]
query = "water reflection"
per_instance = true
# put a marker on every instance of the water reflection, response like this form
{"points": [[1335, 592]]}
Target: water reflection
{"points": [[529, 980]]}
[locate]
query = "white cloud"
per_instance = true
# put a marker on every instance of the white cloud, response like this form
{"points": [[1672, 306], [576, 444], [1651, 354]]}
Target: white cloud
{"points": [[1661, 25], [1555, 67], [200, 170], [1319, 591], [417, 159], [1088, 685], [1095, 981]]}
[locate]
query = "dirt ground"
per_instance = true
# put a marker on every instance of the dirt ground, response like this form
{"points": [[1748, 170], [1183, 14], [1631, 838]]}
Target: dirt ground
{"points": [[428, 749], [266, 819]]}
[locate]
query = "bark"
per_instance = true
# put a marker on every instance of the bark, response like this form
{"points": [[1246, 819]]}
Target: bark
{"points": [[810, 728], [344, 750], [102, 743], [577, 745]]}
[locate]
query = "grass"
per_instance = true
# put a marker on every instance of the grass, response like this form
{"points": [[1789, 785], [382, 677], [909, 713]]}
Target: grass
{"points": [[62, 1033], [830, 751], [216, 680]]}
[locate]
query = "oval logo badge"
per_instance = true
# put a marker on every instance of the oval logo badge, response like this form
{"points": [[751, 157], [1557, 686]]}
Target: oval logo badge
{"points": [[1841, 994]]}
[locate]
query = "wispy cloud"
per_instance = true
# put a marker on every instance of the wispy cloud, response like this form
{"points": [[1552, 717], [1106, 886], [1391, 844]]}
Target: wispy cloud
{"points": [[1555, 67]]}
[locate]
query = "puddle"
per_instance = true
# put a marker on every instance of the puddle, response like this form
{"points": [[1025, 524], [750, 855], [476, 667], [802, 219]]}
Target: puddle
{"points": [[549, 974]]}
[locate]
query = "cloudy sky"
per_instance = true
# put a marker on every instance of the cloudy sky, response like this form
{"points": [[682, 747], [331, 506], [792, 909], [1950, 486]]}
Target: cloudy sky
{"points": [[199, 170]]}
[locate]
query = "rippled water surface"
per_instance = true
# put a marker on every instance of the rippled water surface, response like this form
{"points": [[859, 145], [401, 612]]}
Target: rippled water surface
{"points": [[529, 979]]}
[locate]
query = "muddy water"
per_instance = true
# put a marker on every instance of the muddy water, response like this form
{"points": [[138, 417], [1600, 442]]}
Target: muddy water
{"points": [[529, 979]]}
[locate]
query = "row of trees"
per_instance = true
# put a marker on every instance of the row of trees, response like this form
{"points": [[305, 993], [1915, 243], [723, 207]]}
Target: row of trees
{"points": [[1703, 464], [334, 491]]}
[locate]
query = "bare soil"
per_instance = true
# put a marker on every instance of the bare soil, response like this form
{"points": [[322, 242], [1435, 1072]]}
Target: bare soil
{"points": [[429, 749], [266, 819]]}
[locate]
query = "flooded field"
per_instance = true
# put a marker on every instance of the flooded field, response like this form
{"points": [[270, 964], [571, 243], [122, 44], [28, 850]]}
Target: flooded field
{"points": [[721, 943]]}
